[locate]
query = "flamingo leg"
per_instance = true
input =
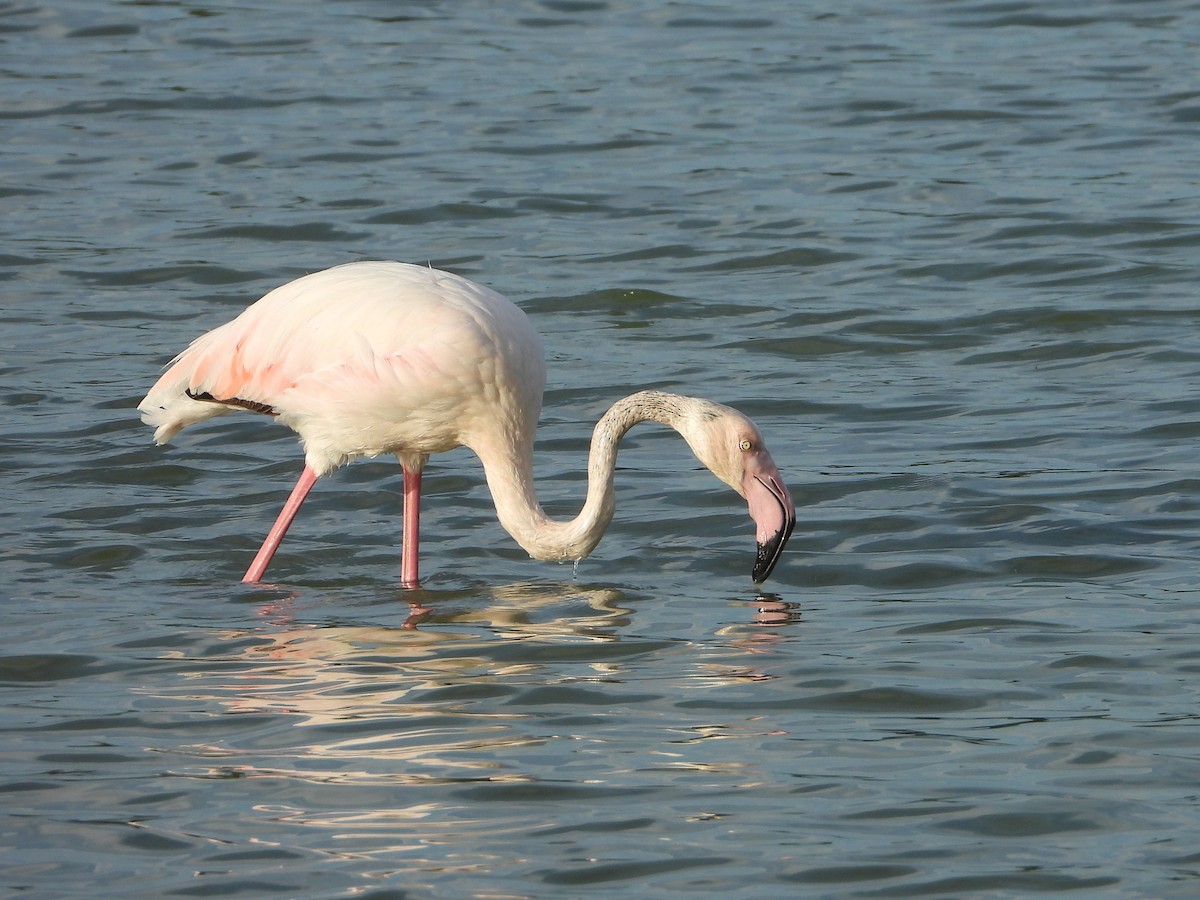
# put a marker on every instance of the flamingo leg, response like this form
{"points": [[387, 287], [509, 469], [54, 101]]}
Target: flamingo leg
{"points": [[412, 528], [255, 573]]}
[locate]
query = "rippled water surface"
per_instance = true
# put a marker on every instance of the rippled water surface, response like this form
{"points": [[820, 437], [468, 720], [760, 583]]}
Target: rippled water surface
{"points": [[944, 253]]}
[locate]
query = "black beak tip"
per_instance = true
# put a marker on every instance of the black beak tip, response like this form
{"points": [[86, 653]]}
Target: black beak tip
{"points": [[763, 564], [770, 551]]}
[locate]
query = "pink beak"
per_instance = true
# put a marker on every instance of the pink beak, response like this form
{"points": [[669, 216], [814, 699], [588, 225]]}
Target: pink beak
{"points": [[772, 510]]}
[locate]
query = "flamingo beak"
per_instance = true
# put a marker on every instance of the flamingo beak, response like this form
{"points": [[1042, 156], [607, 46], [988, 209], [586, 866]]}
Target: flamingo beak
{"points": [[772, 510]]}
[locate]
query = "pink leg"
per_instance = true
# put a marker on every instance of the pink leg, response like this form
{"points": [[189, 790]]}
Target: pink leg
{"points": [[255, 573], [412, 528]]}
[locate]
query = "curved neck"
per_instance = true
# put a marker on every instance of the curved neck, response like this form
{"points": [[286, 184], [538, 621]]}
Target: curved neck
{"points": [[509, 472]]}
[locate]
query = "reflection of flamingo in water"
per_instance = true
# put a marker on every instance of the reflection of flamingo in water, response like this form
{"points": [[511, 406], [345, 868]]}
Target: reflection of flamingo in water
{"points": [[383, 357]]}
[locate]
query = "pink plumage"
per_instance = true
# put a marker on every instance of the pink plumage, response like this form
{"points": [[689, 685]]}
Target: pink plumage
{"points": [[364, 359]]}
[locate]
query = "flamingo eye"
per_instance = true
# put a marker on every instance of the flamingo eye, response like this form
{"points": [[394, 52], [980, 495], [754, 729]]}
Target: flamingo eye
{"points": [[745, 445]]}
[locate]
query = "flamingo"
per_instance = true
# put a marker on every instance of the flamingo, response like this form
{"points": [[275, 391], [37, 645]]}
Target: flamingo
{"points": [[385, 357]]}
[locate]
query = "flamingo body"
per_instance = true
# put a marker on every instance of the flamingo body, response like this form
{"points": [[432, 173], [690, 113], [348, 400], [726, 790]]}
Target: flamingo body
{"points": [[363, 359], [385, 357]]}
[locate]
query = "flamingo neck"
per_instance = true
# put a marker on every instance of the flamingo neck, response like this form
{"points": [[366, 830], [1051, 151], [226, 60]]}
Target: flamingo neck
{"points": [[510, 478]]}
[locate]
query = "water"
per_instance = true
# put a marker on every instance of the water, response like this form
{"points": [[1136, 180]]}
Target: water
{"points": [[944, 253]]}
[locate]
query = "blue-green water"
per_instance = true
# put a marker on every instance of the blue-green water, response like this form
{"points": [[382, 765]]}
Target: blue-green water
{"points": [[944, 253]]}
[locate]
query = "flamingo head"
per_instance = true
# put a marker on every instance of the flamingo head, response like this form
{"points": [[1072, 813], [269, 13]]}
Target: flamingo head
{"points": [[732, 447]]}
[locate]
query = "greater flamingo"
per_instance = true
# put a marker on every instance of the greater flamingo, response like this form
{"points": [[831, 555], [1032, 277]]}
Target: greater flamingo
{"points": [[385, 357]]}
